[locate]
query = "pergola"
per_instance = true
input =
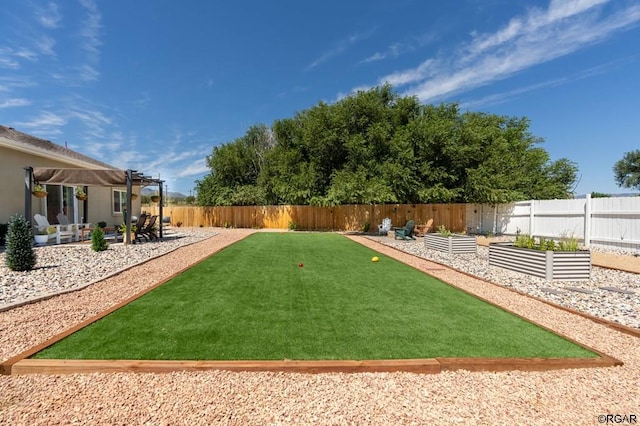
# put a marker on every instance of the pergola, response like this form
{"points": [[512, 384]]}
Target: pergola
{"points": [[91, 177]]}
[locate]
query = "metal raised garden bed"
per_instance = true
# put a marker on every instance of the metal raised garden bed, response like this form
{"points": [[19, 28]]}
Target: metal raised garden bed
{"points": [[452, 244], [551, 265]]}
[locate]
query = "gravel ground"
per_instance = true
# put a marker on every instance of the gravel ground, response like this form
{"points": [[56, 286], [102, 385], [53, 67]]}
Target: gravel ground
{"points": [[216, 397]]}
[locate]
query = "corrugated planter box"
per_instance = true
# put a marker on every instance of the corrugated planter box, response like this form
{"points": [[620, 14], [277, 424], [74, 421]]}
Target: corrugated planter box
{"points": [[455, 243], [551, 265]]}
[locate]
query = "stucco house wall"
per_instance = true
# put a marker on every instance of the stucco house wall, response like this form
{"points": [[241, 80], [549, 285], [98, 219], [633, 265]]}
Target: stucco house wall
{"points": [[19, 150]]}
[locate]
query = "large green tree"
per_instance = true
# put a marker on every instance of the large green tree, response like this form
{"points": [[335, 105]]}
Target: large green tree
{"points": [[627, 170], [235, 168], [378, 147]]}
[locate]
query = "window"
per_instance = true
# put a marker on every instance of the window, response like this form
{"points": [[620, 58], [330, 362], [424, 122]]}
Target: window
{"points": [[119, 201]]}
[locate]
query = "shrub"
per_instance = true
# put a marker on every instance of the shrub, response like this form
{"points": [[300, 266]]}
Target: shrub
{"points": [[293, 225], [367, 225], [19, 255], [525, 241], [565, 244], [98, 242], [568, 243], [442, 230], [101, 224]]}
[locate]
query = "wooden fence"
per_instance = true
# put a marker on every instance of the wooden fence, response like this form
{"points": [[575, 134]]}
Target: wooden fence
{"points": [[339, 218]]}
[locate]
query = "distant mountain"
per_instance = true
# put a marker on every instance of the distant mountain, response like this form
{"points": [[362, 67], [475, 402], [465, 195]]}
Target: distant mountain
{"points": [[173, 195]]}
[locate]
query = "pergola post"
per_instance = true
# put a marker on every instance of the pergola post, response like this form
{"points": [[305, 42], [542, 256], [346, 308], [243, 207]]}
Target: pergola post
{"points": [[161, 203], [28, 179], [127, 219]]}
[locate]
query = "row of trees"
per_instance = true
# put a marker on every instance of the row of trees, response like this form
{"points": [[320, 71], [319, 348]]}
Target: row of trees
{"points": [[378, 147]]}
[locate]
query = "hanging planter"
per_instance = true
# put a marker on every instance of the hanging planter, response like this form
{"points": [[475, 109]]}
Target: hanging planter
{"points": [[155, 198], [39, 191], [134, 196], [80, 194]]}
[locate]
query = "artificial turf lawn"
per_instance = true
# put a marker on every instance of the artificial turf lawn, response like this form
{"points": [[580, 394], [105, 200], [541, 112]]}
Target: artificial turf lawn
{"points": [[253, 301]]}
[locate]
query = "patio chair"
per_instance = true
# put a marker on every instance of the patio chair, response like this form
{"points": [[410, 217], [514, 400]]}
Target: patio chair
{"points": [[405, 232], [54, 231], [148, 231], [142, 219], [385, 226], [68, 226], [422, 230]]}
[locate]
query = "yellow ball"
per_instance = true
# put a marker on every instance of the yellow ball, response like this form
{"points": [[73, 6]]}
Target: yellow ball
{"points": [[375, 259]]}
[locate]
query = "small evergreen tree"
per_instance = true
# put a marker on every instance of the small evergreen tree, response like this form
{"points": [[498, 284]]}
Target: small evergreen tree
{"points": [[19, 255], [98, 243]]}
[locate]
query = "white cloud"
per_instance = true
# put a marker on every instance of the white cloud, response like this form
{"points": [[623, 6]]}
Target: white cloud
{"points": [[28, 54], [45, 45], [196, 168], [9, 83], [46, 125], [340, 47], [14, 102], [9, 63], [90, 32], [46, 119], [401, 78], [87, 72], [539, 36], [375, 57], [398, 48], [503, 97], [49, 17]]}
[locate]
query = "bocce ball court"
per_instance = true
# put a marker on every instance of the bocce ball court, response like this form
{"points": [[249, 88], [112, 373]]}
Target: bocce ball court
{"points": [[305, 302]]}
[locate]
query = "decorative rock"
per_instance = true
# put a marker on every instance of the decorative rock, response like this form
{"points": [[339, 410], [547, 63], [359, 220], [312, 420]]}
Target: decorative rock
{"points": [[580, 290], [618, 290], [64, 267], [552, 291]]}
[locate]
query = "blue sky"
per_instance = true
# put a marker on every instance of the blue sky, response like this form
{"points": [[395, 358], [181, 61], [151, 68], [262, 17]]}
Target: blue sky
{"points": [[153, 85]]}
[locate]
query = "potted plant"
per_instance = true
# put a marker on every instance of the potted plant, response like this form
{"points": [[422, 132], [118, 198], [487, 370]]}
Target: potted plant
{"points": [[562, 260], [80, 194], [449, 242], [123, 228], [41, 235], [39, 191], [155, 198], [134, 195]]}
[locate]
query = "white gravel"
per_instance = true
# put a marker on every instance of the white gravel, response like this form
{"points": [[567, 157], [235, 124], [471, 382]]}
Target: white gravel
{"points": [[217, 397]]}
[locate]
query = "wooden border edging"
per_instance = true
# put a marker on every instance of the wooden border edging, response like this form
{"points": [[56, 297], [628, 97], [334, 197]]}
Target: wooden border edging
{"points": [[21, 364], [420, 366], [6, 366]]}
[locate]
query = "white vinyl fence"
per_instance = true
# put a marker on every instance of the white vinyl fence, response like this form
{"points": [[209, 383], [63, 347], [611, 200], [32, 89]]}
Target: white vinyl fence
{"points": [[612, 222]]}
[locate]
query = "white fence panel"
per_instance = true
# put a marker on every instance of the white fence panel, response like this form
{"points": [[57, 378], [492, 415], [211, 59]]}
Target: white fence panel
{"points": [[612, 222], [615, 222], [555, 218]]}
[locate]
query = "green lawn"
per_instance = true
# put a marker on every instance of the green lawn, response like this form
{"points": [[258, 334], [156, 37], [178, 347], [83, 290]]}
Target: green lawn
{"points": [[253, 301]]}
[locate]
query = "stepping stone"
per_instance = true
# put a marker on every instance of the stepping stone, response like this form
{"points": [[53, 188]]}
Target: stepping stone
{"points": [[551, 290], [580, 290], [618, 290]]}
